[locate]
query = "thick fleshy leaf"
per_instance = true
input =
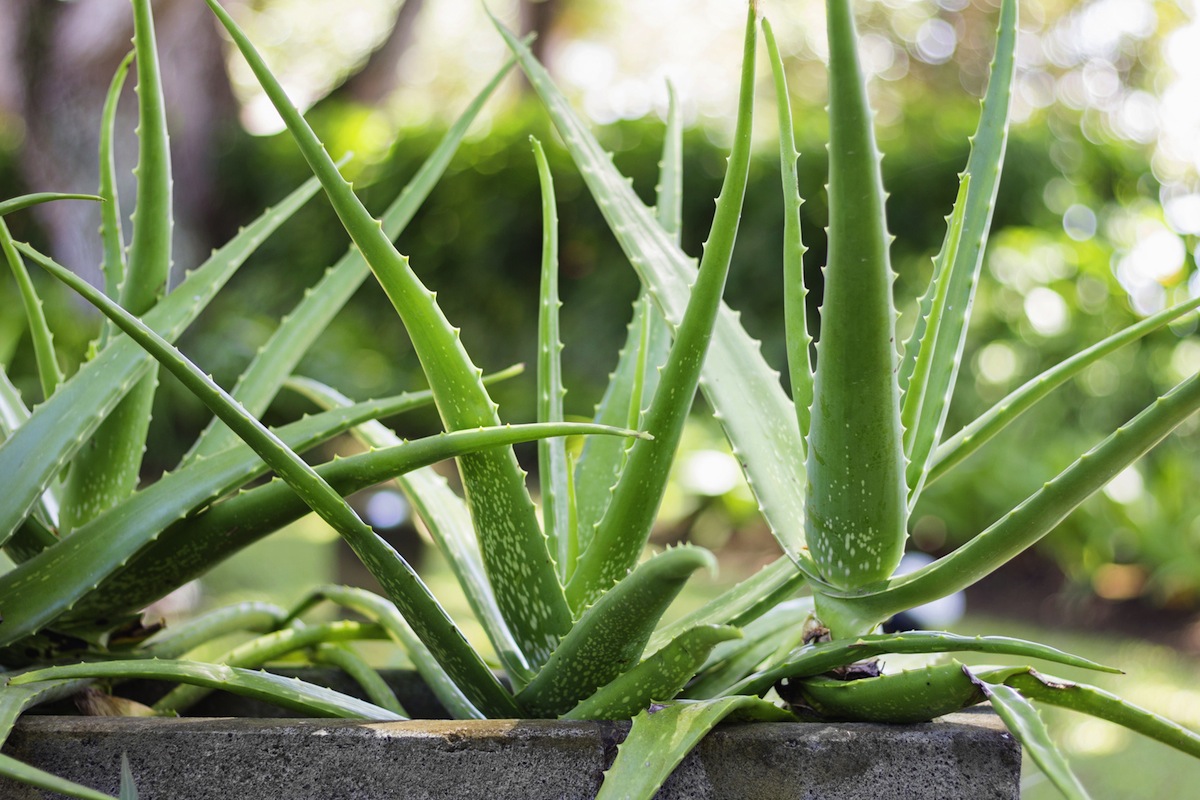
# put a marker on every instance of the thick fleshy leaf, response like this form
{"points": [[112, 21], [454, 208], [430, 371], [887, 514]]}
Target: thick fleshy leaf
{"points": [[49, 371], [289, 693], [398, 579], [178, 641], [662, 735], [623, 531], [385, 614], [659, 677], [32, 457], [765, 641], [856, 510], [111, 233], [610, 636], [978, 432], [107, 468], [795, 293], [553, 467], [1023, 722], [265, 649], [274, 363], [942, 344], [756, 414], [1025, 524], [815, 659], [361, 672], [514, 550]]}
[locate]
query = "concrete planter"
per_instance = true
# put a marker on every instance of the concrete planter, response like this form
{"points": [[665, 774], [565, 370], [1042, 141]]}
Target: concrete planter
{"points": [[965, 755]]}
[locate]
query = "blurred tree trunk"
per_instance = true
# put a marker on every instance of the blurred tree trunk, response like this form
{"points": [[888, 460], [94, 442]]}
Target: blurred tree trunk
{"points": [[59, 60], [376, 80], [539, 16]]}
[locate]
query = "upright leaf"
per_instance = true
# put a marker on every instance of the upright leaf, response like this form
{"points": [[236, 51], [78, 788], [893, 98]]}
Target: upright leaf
{"points": [[795, 293], [856, 511], [946, 339], [112, 235], [34, 454], [108, 467], [618, 541], [552, 453], [514, 549]]}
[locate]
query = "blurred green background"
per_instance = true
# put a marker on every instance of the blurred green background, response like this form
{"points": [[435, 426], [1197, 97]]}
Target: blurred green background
{"points": [[1097, 224]]}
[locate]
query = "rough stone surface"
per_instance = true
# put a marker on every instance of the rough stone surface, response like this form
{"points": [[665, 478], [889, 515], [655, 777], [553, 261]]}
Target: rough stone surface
{"points": [[964, 755]]}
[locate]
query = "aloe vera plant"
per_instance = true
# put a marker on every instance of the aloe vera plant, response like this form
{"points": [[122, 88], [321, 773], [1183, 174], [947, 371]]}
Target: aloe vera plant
{"points": [[570, 607]]}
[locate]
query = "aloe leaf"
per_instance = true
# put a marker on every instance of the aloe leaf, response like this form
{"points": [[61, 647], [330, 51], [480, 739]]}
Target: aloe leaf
{"points": [[291, 693], [367, 677], [297, 331], [83, 561], [610, 636], [35, 534], [740, 604], [552, 453], [978, 432], [799, 342], [23, 773], [662, 735], [514, 549], [128, 787], [1028, 522], [947, 338], [106, 470], [33, 455], [1023, 722], [111, 233], [264, 649], [659, 677], [756, 414], [395, 575], [647, 343], [856, 507], [915, 695], [27, 200], [764, 641], [49, 372], [1102, 705], [618, 540], [920, 420], [177, 641], [379, 610], [814, 659], [189, 547], [449, 524]]}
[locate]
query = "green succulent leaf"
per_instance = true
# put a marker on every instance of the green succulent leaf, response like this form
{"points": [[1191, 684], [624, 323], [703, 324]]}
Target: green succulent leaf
{"points": [[379, 610], [740, 604], [107, 469], [795, 293], [814, 659], [128, 787], [1023, 721], [662, 735], [395, 575], [623, 531], [916, 695], [978, 432], [49, 371], [514, 548], [23, 773], [289, 693], [553, 467], [941, 343], [179, 640], [1028, 522], [265, 649], [857, 503], [33, 456], [111, 234], [274, 363], [1102, 705], [448, 521], [659, 677], [756, 414], [764, 642], [27, 200], [611, 635], [356, 667]]}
